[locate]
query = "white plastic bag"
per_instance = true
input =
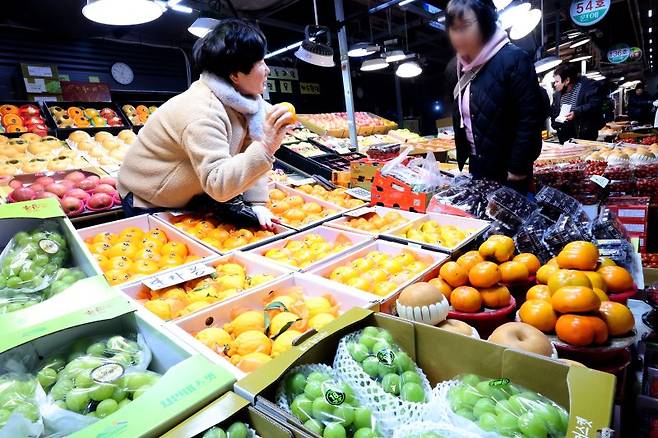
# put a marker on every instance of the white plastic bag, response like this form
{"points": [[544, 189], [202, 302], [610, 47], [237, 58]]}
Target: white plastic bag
{"points": [[422, 174]]}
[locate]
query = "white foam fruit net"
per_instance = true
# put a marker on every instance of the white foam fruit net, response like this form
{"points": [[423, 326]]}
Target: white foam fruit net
{"points": [[390, 410], [427, 428]]}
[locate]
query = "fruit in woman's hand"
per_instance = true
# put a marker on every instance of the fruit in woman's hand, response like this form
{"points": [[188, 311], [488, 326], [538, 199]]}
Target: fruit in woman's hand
{"points": [[575, 299], [581, 330], [523, 337], [617, 317]]}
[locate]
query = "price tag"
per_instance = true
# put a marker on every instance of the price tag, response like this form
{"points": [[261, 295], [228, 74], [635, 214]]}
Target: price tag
{"points": [[359, 193], [300, 181], [360, 211], [600, 180], [176, 213], [179, 276]]}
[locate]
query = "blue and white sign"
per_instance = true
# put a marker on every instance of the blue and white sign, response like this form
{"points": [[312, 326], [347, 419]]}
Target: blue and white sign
{"points": [[619, 53], [588, 12]]}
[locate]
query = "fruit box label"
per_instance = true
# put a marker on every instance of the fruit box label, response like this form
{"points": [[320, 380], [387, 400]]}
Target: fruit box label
{"points": [[38, 209]]}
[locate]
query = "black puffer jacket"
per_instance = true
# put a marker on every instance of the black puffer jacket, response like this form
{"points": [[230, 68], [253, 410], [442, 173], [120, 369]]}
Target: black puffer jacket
{"points": [[507, 115], [588, 111]]}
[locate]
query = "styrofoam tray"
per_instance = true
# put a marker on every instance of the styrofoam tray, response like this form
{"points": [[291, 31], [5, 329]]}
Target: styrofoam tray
{"points": [[254, 265], [279, 230], [341, 222], [147, 222], [329, 234], [219, 314], [479, 225], [307, 198], [434, 258]]}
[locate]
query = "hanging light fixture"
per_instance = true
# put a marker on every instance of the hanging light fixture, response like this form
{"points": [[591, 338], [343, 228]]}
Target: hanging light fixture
{"points": [[395, 56], [501, 4], [546, 64], [362, 49], [202, 26], [122, 12], [580, 43], [408, 69], [526, 24], [312, 49], [374, 64], [580, 58], [511, 16]]}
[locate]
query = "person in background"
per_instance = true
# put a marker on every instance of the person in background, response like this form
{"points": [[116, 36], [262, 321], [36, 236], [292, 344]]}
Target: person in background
{"points": [[499, 111], [577, 105], [212, 145], [640, 105]]}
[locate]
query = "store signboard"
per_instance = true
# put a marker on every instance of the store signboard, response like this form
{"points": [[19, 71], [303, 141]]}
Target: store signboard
{"points": [[285, 86], [588, 12], [309, 88], [284, 73], [619, 53], [271, 86], [636, 53]]}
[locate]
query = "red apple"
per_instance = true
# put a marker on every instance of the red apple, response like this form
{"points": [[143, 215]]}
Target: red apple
{"points": [[104, 188], [14, 184], [37, 187], [75, 176], [44, 180], [29, 110], [107, 113], [108, 180], [77, 193], [100, 200], [22, 194], [87, 184], [94, 178], [39, 129], [57, 188], [33, 120], [43, 195], [68, 183], [71, 204]]}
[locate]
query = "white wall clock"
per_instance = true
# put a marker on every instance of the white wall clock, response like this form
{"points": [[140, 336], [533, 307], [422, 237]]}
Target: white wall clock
{"points": [[122, 73]]}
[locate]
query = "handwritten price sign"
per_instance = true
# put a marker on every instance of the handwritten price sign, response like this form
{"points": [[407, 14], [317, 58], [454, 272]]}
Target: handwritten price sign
{"points": [[588, 12], [178, 276]]}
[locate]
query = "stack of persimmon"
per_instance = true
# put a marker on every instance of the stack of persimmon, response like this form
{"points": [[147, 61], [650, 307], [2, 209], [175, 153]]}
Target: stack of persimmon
{"points": [[481, 278], [571, 297]]}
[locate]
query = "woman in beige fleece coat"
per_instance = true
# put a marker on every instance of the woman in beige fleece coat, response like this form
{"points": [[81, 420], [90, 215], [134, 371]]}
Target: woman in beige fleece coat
{"points": [[214, 142]]}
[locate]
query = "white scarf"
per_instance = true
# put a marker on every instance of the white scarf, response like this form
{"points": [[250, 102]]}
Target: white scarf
{"points": [[252, 107]]}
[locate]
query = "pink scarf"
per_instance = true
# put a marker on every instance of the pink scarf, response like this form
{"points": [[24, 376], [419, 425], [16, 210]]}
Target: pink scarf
{"points": [[493, 46]]}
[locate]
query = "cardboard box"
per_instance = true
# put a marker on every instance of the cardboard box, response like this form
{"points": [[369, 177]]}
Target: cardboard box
{"points": [[328, 233], [29, 323], [650, 275], [391, 192], [253, 264], [342, 222], [279, 230], [587, 394], [433, 260], [362, 172], [478, 226], [224, 411], [220, 314], [146, 223], [189, 381]]}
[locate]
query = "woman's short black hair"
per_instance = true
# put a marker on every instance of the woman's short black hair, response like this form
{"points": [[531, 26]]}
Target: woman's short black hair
{"points": [[232, 46], [567, 70], [484, 10]]}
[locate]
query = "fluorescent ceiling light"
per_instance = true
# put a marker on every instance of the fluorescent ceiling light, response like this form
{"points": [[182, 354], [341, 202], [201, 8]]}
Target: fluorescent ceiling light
{"points": [[395, 56], [501, 4], [359, 50], [592, 73], [405, 2], [181, 8], [511, 16], [546, 64], [650, 41], [580, 58], [202, 26], [409, 69], [650, 30], [529, 21], [580, 43], [373, 64], [122, 12], [650, 13], [598, 78], [284, 49]]}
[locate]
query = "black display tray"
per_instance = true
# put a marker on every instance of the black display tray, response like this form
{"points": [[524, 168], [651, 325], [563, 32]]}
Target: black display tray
{"points": [[44, 116], [63, 133], [136, 103]]}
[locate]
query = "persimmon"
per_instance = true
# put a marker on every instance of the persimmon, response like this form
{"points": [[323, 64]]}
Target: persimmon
{"points": [[469, 259], [466, 299], [495, 297], [453, 274], [617, 317], [616, 278], [484, 274], [529, 260], [579, 255], [568, 277], [539, 314], [597, 280], [513, 272], [602, 295], [606, 262], [581, 330], [544, 273], [442, 286], [497, 247], [539, 292], [575, 299]]}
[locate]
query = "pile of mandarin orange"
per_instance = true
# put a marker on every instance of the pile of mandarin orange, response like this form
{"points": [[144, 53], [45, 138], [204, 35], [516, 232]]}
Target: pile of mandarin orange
{"points": [[294, 211], [135, 253]]}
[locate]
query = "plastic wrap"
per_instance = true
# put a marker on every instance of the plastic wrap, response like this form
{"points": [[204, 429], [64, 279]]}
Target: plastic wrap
{"points": [[530, 237], [422, 174], [607, 226], [96, 377], [619, 251], [554, 202], [563, 231], [236, 429], [383, 151], [388, 381], [324, 403], [19, 406], [508, 207], [467, 194], [497, 407]]}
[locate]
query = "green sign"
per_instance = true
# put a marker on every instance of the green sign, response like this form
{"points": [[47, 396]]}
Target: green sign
{"points": [[619, 53], [588, 12]]}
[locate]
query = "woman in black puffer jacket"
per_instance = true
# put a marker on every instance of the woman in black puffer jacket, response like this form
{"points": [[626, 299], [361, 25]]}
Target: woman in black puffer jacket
{"points": [[499, 110]]}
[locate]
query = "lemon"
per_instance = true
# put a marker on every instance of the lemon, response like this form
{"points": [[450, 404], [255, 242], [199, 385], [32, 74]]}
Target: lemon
{"points": [[284, 342], [230, 268], [280, 321], [259, 279], [251, 320], [317, 305], [320, 320], [160, 308], [231, 281], [217, 340], [175, 293], [252, 341]]}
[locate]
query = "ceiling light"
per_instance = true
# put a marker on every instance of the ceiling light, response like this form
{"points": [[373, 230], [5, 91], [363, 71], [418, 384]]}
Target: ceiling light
{"points": [[409, 69], [122, 12], [181, 8], [650, 13], [405, 2], [374, 64], [592, 73], [202, 26], [580, 58], [510, 16], [284, 49], [359, 50], [501, 4], [598, 78], [547, 64], [529, 21], [650, 30], [313, 50], [580, 43], [650, 41], [395, 56]]}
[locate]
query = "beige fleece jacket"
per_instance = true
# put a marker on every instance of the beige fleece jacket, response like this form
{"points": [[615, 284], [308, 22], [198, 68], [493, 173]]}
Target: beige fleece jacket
{"points": [[194, 144]]}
